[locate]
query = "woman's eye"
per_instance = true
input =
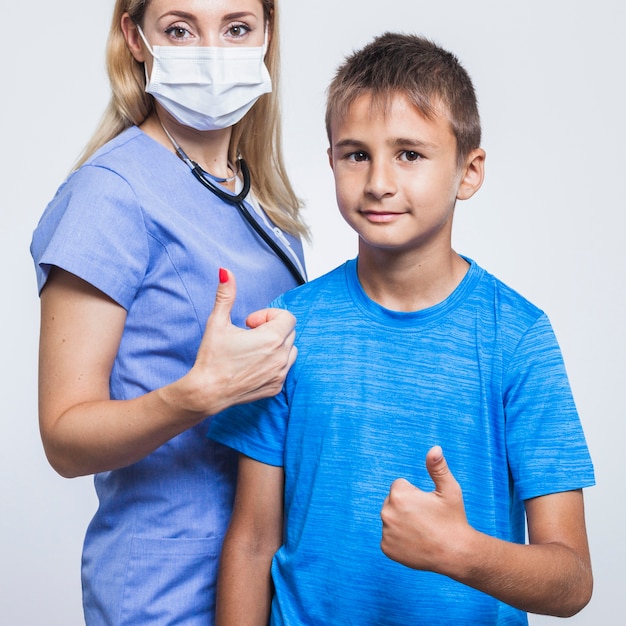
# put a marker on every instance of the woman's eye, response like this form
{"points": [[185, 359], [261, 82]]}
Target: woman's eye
{"points": [[178, 33], [238, 30]]}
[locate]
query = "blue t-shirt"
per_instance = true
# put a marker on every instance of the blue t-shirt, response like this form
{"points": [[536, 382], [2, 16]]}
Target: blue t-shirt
{"points": [[137, 225], [372, 390]]}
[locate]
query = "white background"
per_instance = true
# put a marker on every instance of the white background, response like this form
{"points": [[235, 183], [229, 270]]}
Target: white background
{"points": [[549, 220]]}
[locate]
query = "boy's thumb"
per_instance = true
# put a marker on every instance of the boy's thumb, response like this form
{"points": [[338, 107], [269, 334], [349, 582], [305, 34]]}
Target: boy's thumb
{"points": [[225, 296], [438, 469]]}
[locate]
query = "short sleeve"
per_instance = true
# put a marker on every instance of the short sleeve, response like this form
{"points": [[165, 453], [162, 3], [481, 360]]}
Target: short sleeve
{"points": [[546, 445], [257, 430], [94, 228]]}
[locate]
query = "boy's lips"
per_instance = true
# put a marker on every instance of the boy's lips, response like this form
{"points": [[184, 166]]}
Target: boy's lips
{"points": [[381, 216]]}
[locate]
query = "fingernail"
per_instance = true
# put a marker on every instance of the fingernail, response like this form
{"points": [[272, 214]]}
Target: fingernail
{"points": [[223, 275]]}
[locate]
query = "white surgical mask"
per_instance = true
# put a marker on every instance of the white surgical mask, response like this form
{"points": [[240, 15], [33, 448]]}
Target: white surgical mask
{"points": [[207, 88]]}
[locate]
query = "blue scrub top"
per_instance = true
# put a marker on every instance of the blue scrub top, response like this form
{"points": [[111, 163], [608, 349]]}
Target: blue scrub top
{"points": [[137, 225]]}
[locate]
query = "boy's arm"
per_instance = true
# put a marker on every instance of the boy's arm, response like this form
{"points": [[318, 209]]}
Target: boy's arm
{"points": [[244, 588], [429, 531]]}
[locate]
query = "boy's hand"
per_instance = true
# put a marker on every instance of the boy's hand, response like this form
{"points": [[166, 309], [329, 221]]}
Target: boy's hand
{"points": [[425, 530]]}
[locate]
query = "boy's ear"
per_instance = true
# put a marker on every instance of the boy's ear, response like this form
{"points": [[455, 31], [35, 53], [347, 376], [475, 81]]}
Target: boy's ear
{"points": [[473, 174], [329, 152]]}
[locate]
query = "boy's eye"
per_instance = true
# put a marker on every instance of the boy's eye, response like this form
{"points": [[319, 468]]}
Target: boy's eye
{"points": [[411, 155], [358, 156]]}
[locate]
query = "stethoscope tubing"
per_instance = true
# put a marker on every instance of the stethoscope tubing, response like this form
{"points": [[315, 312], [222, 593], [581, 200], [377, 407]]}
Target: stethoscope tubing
{"points": [[237, 200]]}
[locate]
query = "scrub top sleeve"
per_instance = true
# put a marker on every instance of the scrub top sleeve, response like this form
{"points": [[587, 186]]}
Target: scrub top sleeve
{"points": [[546, 445], [94, 228]]}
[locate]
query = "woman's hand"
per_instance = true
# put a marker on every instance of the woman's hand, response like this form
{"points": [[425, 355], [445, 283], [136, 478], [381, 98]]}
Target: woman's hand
{"points": [[233, 365], [84, 431]]}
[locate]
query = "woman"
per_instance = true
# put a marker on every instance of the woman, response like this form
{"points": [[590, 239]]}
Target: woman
{"points": [[129, 255]]}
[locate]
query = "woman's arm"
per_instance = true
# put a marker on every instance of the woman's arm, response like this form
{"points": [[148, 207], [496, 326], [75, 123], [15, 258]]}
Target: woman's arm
{"points": [[84, 431], [429, 531], [244, 588]]}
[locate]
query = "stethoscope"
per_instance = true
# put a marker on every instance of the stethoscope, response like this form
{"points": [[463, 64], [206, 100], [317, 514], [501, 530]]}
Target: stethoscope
{"points": [[237, 200]]}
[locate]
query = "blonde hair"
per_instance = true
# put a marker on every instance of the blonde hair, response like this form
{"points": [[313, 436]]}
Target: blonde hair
{"points": [[257, 137]]}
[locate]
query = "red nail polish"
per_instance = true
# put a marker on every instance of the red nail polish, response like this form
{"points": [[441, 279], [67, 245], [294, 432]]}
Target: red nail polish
{"points": [[223, 275]]}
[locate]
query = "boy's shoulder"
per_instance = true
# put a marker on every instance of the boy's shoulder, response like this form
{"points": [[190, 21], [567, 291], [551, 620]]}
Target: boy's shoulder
{"points": [[506, 314], [329, 285], [323, 297], [505, 298]]}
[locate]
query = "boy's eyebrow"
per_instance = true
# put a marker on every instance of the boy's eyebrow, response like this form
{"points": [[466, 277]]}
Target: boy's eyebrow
{"points": [[399, 142], [402, 142], [349, 143]]}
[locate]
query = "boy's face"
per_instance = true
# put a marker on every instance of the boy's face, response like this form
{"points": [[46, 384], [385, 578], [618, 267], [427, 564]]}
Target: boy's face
{"points": [[396, 175]]}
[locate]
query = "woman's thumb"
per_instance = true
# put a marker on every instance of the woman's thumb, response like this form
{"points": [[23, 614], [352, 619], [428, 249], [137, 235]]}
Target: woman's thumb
{"points": [[225, 296]]}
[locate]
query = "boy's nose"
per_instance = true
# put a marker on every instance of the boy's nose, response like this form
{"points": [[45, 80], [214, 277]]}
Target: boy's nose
{"points": [[381, 180]]}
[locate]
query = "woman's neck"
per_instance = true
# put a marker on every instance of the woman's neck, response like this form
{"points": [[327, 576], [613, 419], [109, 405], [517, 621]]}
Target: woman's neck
{"points": [[207, 148]]}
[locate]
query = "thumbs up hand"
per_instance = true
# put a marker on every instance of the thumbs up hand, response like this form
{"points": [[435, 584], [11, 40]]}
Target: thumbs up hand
{"points": [[425, 530], [233, 365]]}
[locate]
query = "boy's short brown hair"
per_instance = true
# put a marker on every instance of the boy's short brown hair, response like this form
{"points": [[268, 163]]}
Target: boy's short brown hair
{"points": [[431, 77]]}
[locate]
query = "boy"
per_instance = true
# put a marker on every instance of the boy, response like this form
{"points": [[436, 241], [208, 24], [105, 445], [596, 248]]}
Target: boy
{"points": [[404, 351]]}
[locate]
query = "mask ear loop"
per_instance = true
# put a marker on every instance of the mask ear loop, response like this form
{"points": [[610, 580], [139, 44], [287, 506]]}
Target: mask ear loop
{"points": [[143, 37], [150, 50], [265, 41]]}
